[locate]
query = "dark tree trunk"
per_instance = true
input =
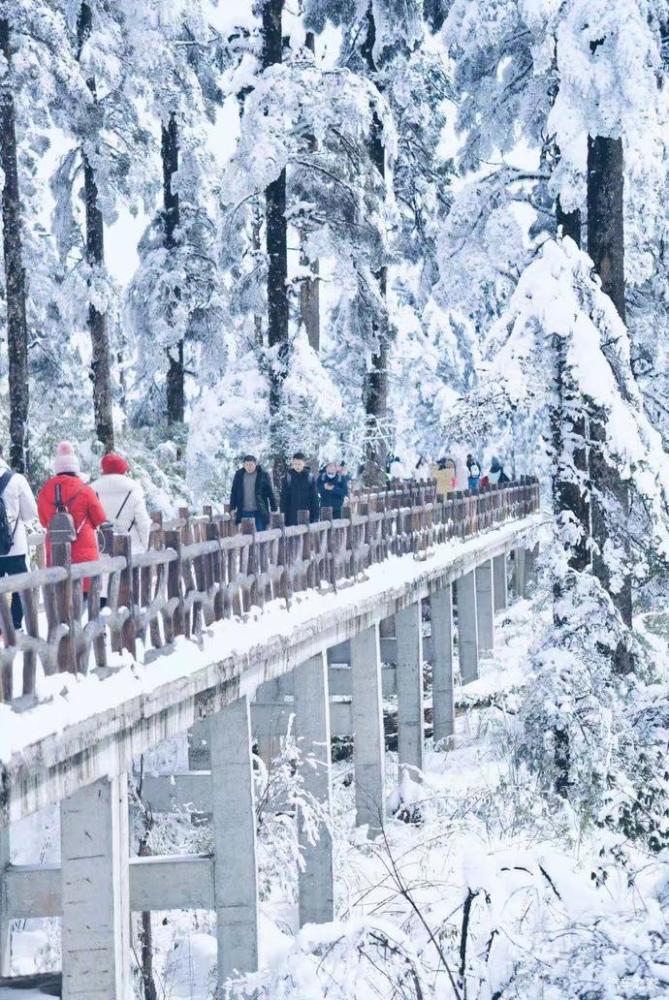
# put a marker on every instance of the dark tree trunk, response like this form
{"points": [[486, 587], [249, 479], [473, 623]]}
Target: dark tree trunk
{"points": [[375, 392], [95, 254], [277, 259], [15, 277], [606, 246], [570, 498], [171, 221], [310, 284], [568, 223]]}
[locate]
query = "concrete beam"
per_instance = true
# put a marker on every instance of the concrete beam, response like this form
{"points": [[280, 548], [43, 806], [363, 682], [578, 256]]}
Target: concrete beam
{"points": [[368, 736], [485, 607], [468, 634], [235, 870], [177, 882], [410, 719], [443, 711], [316, 880], [500, 582], [95, 894]]}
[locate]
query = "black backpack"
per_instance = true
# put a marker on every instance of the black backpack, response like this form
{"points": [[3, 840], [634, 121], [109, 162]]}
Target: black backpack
{"points": [[6, 534]]}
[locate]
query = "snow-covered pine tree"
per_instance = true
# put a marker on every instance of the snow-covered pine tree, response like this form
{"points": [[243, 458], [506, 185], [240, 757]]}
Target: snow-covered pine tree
{"points": [[14, 266]]}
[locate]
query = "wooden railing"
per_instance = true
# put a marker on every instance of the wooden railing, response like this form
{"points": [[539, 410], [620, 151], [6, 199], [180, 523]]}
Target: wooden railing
{"points": [[203, 569]]}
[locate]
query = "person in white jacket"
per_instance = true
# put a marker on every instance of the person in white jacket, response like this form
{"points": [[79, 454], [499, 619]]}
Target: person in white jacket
{"points": [[123, 501], [20, 507]]}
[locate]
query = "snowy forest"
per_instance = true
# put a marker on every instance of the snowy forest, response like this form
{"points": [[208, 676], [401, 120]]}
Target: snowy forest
{"points": [[365, 229]]}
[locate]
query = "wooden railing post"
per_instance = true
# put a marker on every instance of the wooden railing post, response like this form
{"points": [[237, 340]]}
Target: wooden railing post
{"points": [[126, 636], [61, 555], [174, 584]]}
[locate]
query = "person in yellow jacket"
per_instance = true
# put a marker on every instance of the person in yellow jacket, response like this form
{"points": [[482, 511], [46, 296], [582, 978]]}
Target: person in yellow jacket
{"points": [[445, 474]]}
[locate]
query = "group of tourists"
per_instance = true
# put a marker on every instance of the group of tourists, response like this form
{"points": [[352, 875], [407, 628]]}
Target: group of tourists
{"points": [[253, 496], [446, 474], [114, 498]]}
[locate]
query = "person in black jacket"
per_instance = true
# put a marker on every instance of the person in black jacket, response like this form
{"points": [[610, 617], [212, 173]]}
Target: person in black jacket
{"points": [[252, 493], [299, 491], [332, 489]]}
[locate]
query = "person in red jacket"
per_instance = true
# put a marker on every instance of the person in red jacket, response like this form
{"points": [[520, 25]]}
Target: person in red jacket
{"points": [[80, 500]]}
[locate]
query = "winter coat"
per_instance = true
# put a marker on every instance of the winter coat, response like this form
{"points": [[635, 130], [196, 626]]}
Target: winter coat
{"points": [[445, 480], [299, 492], [20, 506], [332, 497], [123, 501], [87, 513], [265, 497]]}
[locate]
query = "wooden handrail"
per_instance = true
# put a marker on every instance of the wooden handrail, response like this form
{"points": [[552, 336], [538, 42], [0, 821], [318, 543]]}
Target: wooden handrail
{"points": [[203, 569]]}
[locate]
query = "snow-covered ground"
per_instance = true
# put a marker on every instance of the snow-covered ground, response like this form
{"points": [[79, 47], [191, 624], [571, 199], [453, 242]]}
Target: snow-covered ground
{"points": [[480, 882]]}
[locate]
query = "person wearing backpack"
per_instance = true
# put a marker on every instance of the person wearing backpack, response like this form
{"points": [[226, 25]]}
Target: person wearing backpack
{"points": [[65, 490], [123, 501], [17, 506]]}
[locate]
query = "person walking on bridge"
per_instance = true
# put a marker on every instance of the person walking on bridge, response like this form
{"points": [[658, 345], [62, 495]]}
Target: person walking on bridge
{"points": [[17, 506], [299, 491], [123, 501], [332, 489], [252, 493], [66, 491]]}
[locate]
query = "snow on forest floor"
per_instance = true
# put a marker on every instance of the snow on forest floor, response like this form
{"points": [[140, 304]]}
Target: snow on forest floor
{"points": [[482, 890]]}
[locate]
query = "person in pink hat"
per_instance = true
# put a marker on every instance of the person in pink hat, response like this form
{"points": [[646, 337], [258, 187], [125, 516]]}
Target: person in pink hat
{"points": [[123, 500], [78, 499]]}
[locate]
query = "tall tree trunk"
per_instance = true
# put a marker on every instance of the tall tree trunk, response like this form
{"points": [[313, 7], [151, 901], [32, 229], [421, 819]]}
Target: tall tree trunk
{"points": [[276, 235], [310, 283], [375, 392], [606, 246], [15, 277], [95, 255], [570, 496], [171, 221]]}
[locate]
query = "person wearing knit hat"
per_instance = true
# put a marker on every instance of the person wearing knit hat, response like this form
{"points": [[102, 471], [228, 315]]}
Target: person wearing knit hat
{"points": [[78, 499], [123, 500]]}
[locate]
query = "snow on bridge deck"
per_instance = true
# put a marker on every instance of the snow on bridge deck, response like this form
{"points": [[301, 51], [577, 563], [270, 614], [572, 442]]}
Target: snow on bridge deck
{"points": [[91, 728]]}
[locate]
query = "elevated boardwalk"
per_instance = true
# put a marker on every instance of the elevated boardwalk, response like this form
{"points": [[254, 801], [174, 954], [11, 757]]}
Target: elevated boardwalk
{"points": [[237, 683]]}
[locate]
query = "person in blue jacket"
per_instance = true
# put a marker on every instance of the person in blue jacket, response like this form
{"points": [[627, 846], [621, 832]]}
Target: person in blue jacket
{"points": [[474, 478], [332, 489]]}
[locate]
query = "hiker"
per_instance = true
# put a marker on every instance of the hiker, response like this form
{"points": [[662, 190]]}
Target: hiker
{"points": [[122, 499], [66, 491], [396, 467], [445, 474], [299, 491], [474, 477], [332, 489], [497, 476], [252, 493], [17, 506]]}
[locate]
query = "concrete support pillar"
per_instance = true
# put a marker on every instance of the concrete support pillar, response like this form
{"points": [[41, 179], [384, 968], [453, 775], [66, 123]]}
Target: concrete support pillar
{"points": [[468, 634], [96, 906], [368, 736], [519, 573], [485, 608], [5, 924], [388, 640], [443, 712], [235, 873], [268, 727], [499, 581], [531, 556], [409, 632], [312, 718]]}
